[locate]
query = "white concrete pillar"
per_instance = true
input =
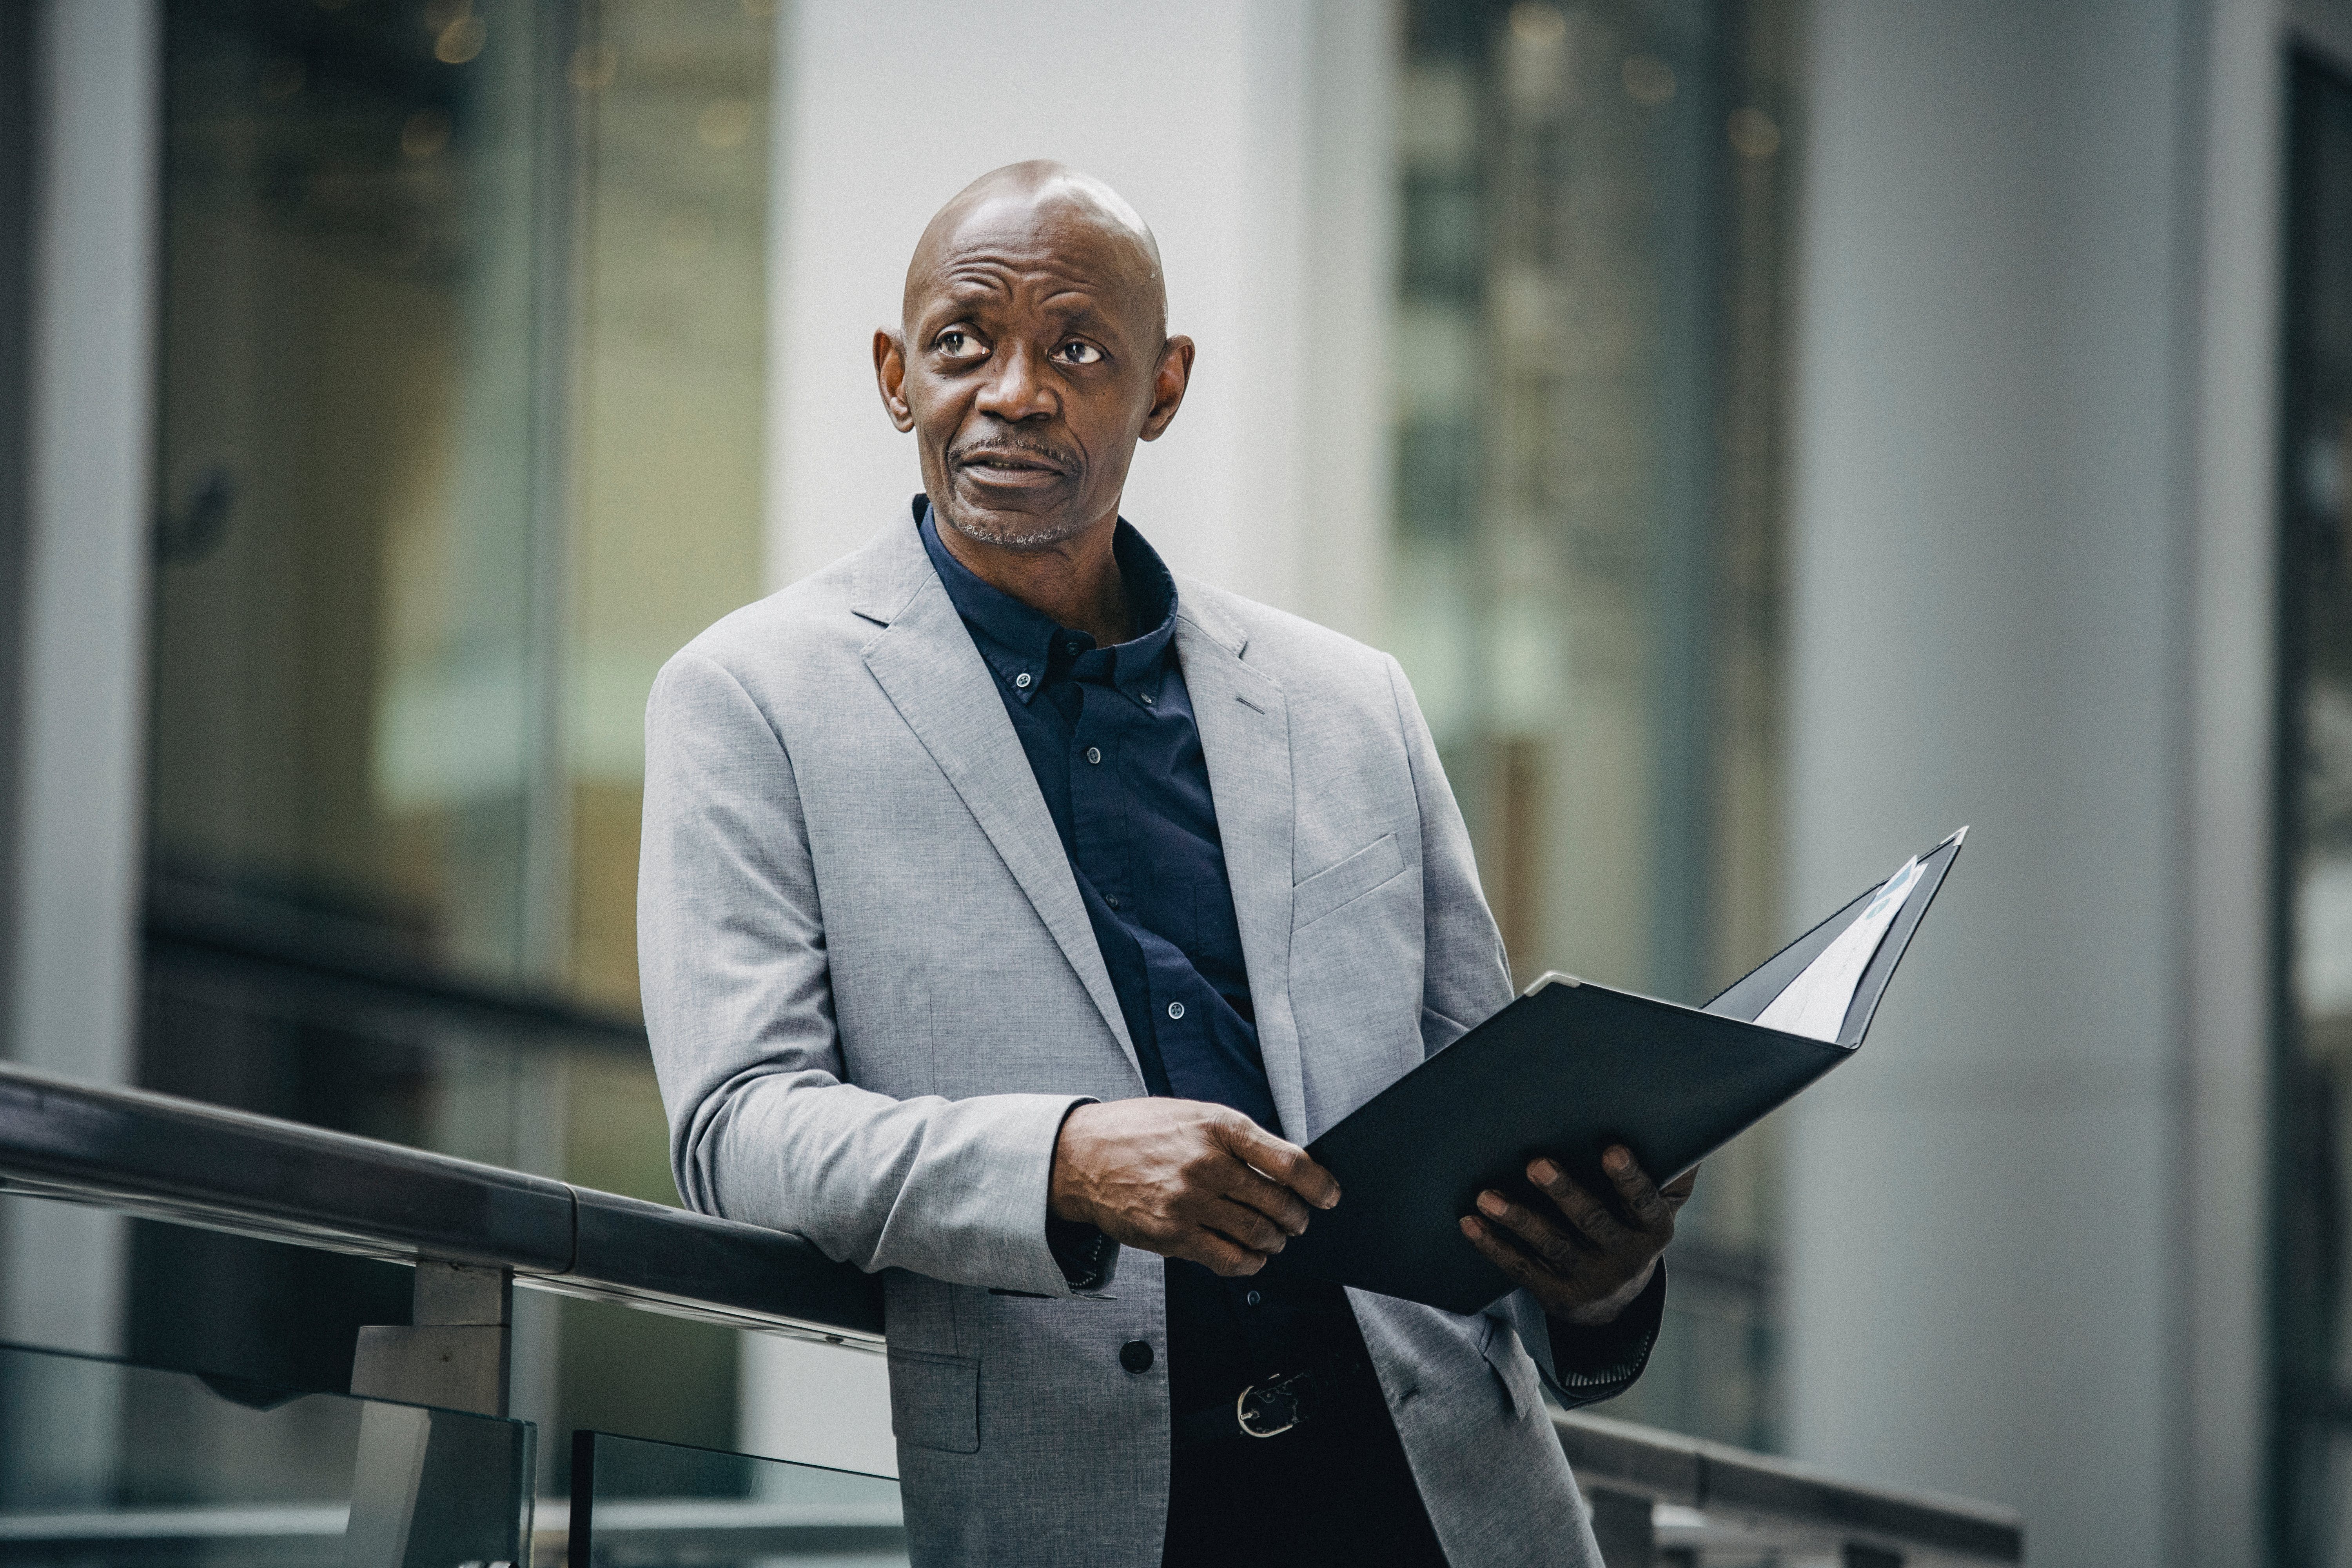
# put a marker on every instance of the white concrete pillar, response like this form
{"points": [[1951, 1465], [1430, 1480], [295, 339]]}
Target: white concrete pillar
{"points": [[2031, 535], [73, 971]]}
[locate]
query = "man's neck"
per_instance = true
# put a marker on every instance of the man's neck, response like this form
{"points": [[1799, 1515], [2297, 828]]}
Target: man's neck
{"points": [[1076, 581]]}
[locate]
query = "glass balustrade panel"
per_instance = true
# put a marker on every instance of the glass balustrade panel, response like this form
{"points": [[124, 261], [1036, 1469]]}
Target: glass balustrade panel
{"points": [[639, 1504], [105, 1463]]}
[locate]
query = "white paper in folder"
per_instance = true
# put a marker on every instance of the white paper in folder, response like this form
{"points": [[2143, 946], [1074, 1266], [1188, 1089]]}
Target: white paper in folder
{"points": [[1814, 1003]]}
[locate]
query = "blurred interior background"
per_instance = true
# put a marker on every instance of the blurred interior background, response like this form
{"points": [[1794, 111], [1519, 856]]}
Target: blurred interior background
{"points": [[1770, 434]]}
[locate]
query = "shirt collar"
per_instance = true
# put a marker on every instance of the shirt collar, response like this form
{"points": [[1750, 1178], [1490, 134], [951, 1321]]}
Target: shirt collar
{"points": [[1028, 647]]}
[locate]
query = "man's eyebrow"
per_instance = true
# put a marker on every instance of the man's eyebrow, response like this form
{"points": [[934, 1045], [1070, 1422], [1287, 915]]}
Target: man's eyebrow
{"points": [[1071, 304]]}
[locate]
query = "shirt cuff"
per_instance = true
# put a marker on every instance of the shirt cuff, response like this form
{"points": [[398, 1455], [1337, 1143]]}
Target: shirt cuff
{"points": [[1085, 1254], [1602, 1362]]}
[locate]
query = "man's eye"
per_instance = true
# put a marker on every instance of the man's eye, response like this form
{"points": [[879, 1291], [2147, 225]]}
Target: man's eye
{"points": [[1077, 351], [955, 344]]}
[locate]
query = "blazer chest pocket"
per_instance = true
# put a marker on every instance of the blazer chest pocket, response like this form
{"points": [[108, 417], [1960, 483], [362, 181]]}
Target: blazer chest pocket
{"points": [[935, 1401], [1335, 886]]}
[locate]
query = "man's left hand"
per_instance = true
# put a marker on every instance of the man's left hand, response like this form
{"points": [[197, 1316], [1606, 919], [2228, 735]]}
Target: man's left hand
{"points": [[1587, 1262]]}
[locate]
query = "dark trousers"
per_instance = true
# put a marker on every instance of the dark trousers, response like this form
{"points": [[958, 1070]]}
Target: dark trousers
{"points": [[1336, 1490]]}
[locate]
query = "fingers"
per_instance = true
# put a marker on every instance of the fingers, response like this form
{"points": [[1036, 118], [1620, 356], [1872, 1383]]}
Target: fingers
{"points": [[1275, 1202], [1651, 1211], [1678, 1191], [1542, 1238], [1584, 1211], [1285, 1163], [1245, 1224], [1221, 1254], [1522, 1269]]}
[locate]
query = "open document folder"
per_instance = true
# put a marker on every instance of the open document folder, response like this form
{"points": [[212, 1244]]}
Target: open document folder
{"points": [[1571, 1067]]}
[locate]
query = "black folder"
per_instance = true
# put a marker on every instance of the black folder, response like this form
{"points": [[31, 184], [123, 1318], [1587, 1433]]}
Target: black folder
{"points": [[1566, 1070]]}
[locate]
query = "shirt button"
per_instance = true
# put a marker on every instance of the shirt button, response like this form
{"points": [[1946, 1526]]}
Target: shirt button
{"points": [[1094, 753], [1075, 649], [1145, 697], [1175, 1009], [1136, 1356], [1021, 680], [1112, 901], [1253, 1297]]}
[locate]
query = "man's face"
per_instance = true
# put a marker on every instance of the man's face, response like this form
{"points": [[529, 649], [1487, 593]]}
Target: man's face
{"points": [[1031, 359]]}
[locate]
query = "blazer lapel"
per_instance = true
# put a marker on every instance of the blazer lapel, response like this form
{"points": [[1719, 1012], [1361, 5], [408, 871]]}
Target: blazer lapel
{"points": [[926, 663], [1245, 734]]}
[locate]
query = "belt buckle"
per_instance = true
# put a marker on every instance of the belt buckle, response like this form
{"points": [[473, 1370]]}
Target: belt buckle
{"points": [[1278, 1401]]}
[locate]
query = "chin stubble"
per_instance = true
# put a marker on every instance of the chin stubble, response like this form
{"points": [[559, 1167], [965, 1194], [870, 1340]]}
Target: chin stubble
{"points": [[1044, 535]]}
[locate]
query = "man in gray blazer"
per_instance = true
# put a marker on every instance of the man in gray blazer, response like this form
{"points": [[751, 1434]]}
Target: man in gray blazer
{"points": [[1011, 912]]}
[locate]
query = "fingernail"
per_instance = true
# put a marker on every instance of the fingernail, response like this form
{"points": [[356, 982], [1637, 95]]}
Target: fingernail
{"points": [[1333, 1201], [1469, 1226], [1491, 1202], [1544, 1173], [1616, 1160]]}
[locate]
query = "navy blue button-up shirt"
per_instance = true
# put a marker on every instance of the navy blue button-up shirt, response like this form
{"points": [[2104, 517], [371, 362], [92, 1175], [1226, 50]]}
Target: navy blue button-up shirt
{"points": [[1110, 735]]}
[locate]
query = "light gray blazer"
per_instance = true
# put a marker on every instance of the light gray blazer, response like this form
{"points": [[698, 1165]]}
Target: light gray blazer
{"points": [[873, 994]]}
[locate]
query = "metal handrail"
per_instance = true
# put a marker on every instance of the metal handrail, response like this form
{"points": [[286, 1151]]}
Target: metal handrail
{"points": [[198, 1164], [1721, 1496]]}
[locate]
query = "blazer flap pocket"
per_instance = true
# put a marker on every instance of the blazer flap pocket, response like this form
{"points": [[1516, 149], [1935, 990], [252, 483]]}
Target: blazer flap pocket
{"points": [[1344, 883], [935, 1401]]}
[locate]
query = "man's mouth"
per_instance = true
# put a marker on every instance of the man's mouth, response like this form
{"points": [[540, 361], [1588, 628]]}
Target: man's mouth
{"points": [[1008, 466]]}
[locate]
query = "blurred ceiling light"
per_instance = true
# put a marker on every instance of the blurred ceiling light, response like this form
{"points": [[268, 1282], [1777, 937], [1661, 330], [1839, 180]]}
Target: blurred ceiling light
{"points": [[593, 66], [725, 122], [281, 78], [1649, 80], [439, 13], [425, 132], [460, 41], [686, 234], [1533, 22], [1754, 134]]}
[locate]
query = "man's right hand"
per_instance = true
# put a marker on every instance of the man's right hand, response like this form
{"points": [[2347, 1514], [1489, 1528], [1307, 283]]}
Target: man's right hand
{"points": [[1185, 1179]]}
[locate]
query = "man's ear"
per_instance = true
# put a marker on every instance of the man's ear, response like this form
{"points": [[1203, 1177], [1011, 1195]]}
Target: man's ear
{"points": [[1168, 384], [890, 376]]}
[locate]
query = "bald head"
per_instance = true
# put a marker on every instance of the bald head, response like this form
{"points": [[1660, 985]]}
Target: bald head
{"points": [[1032, 355], [1040, 205]]}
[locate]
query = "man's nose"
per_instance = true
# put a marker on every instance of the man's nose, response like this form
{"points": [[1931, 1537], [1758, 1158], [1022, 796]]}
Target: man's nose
{"points": [[1018, 389]]}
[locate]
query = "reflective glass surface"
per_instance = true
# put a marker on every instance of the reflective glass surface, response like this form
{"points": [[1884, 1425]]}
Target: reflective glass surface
{"points": [[2312, 1511], [1589, 351], [460, 388], [636, 1504], [102, 1462]]}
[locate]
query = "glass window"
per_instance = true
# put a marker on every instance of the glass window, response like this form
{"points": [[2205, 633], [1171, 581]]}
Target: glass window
{"points": [[2313, 1203], [1588, 354], [461, 392]]}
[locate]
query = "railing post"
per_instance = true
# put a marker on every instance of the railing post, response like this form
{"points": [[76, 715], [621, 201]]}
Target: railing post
{"points": [[456, 1350], [429, 1489], [1621, 1524]]}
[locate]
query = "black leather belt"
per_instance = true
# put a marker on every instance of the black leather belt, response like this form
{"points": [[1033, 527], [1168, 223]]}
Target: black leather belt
{"points": [[1274, 1406]]}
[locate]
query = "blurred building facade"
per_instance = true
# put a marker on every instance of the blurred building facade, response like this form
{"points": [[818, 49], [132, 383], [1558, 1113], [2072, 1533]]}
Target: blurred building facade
{"points": [[1771, 434]]}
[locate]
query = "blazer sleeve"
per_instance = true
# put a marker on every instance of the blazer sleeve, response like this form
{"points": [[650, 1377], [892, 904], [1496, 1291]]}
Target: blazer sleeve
{"points": [[739, 1008], [1467, 979]]}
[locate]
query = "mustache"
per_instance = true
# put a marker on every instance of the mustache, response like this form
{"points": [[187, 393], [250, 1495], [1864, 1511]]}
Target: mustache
{"points": [[1001, 447]]}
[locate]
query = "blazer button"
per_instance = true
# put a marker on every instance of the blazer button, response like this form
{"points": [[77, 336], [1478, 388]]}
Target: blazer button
{"points": [[1136, 1356]]}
